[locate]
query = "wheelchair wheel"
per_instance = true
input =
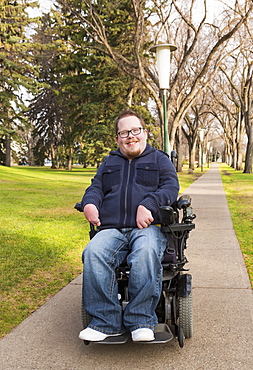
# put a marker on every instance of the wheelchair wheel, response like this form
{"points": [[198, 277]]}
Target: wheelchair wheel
{"points": [[185, 315], [180, 337], [86, 318]]}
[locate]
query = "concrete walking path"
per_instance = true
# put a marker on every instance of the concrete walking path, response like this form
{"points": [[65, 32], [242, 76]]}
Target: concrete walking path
{"points": [[222, 300]]}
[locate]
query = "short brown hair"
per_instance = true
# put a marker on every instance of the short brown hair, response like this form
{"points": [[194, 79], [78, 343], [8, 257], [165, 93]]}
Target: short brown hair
{"points": [[127, 113]]}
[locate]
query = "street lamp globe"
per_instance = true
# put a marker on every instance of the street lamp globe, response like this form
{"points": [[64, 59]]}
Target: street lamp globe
{"points": [[163, 63], [201, 135], [163, 66]]}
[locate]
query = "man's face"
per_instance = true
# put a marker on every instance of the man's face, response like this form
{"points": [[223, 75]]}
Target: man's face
{"points": [[133, 145]]}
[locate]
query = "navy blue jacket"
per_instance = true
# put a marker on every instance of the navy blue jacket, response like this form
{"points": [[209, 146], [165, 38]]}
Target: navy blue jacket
{"points": [[121, 185]]}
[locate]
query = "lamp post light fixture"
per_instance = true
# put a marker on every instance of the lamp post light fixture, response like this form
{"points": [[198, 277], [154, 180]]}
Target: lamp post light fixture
{"points": [[163, 65], [201, 138]]}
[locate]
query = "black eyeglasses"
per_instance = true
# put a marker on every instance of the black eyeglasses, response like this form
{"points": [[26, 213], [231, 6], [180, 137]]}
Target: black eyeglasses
{"points": [[134, 131]]}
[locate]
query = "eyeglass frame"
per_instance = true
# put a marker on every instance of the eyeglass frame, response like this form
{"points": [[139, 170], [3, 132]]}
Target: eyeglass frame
{"points": [[128, 132]]}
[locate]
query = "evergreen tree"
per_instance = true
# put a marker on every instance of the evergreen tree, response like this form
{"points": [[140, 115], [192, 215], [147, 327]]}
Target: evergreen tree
{"points": [[95, 88], [45, 109], [85, 89], [15, 69]]}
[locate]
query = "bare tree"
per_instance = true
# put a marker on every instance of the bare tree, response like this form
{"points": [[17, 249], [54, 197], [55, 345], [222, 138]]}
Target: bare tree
{"points": [[198, 117], [202, 51], [232, 90]]}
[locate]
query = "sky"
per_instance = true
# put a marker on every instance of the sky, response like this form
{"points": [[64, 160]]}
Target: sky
{"points": [[45, 5]]}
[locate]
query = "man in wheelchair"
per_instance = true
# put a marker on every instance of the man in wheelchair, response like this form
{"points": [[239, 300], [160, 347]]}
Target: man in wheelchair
{"points": [[123, 202]]}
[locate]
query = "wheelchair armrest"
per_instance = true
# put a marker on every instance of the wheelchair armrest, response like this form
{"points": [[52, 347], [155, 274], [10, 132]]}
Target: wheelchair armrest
{"points": [[183, 202], [93, 231], [178, 227], [167, 215]]}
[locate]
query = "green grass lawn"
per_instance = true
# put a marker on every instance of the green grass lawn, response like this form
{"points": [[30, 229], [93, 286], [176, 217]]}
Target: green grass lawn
{"points": [[41, 235], [239, 190]]}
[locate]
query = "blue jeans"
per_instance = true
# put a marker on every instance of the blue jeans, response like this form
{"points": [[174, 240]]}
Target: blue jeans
{"points": [[102, 256]]}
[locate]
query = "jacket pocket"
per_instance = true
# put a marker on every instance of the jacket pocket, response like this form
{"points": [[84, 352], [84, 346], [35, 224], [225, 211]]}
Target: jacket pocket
{"points": [[147, 174], [110, 177]]}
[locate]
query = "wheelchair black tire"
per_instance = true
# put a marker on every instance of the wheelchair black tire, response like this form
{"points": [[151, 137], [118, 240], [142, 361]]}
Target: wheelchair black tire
{"points": [[185, 315], [86, 318]]}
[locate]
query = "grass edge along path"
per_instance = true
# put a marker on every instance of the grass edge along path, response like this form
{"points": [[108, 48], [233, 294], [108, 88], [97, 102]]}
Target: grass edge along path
{"points": [[238, 188], [42, 236]]}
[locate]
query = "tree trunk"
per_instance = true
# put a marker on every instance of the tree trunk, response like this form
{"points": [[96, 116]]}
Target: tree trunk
{"points": [[249, 123], [249, 152], [30, 155], [69, 160], [239, 156], [239, 135], [192, 152], [52, 151], [8, 151], [179, 150]]}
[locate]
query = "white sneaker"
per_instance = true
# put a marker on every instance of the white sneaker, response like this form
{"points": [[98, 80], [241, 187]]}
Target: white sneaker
{"points": [[143, 335], [93, 335]]}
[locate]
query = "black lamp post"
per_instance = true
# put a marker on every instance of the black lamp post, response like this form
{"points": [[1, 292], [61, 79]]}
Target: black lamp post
{"points": [[201, 138]]}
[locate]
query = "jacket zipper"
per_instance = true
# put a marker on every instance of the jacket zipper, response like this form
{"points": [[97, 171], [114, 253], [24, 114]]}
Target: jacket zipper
{"points": [[126, 190]]}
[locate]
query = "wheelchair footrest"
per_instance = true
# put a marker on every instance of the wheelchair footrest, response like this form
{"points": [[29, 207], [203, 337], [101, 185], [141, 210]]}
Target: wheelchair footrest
{"points": [[118, 339], [162, 333]]}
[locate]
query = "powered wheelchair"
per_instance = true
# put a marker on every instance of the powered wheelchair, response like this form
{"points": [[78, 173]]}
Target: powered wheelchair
{"points": [[174, 310]]}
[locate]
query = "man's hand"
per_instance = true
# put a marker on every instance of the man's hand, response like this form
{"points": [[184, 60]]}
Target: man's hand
{"points": [[143, 217], [91, 213]]}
